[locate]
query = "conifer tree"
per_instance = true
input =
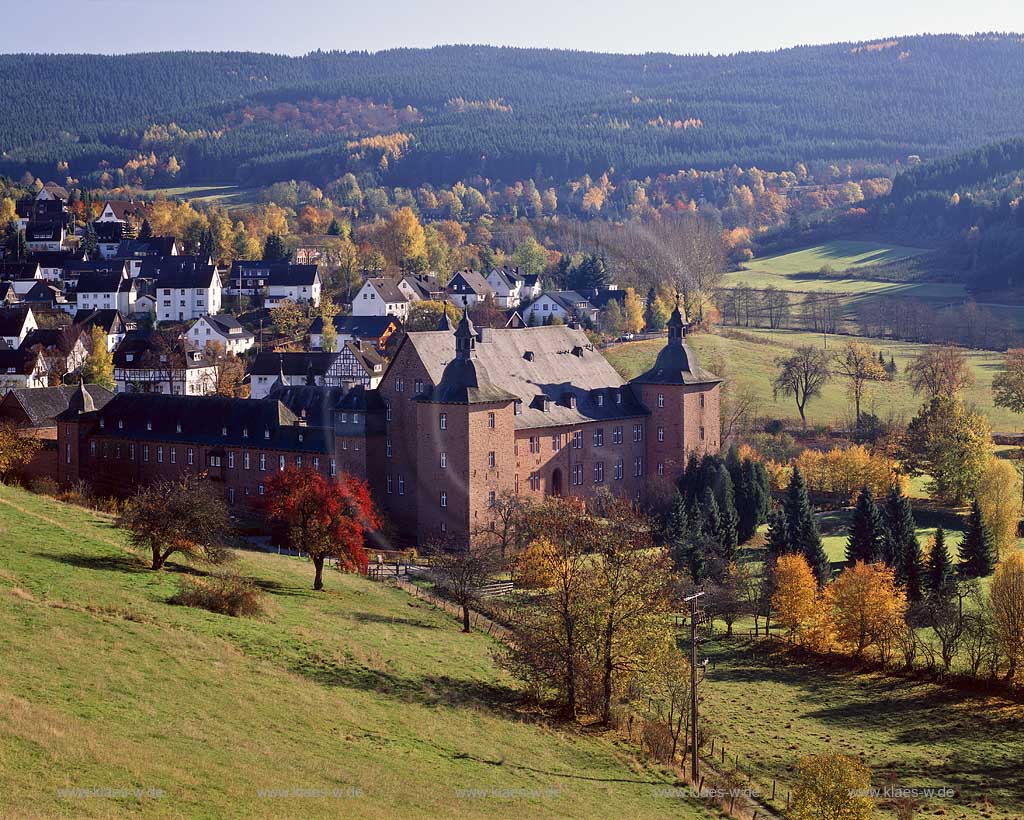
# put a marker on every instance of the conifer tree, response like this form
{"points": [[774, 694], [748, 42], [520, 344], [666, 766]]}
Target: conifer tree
{"points": [[977, 549], [940, 569], [901, 548], [866, 530], [778, 536], [677, 532], [146, 231], [803, 529]]}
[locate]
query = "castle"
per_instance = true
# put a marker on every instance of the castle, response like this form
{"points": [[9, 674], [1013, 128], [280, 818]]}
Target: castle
{"points": [[460, 419]]}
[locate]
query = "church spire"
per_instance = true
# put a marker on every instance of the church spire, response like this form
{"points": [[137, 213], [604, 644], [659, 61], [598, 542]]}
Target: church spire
{"points": [[677, 325], [465, 338]]}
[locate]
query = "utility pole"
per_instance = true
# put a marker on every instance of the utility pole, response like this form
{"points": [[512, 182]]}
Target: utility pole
{"points": [[694, 757]]}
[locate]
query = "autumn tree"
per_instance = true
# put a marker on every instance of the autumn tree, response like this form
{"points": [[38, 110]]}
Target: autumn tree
{"points": [[951, 445], [868, 605], [1008, 383], [998, 495], [795, 597], [187, 516], [402, 240], [289, 319], [17, 448], [462, 569], [425, 315], [802, 376], [529, 256], [633, 310], [939, 371], [329, 334], [1007, 602], [667, 684], [99, 363], [831, 786], [324, 518], [227, 374], [858, 363]]}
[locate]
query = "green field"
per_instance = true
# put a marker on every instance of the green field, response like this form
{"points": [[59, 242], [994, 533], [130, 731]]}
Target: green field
{"points": [[357, 702], [839, 255], [771, 711], [749, 360], [230, 195]]}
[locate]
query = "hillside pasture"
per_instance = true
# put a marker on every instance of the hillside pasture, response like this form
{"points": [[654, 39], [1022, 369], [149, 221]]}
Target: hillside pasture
{"points": [[748, 359]]}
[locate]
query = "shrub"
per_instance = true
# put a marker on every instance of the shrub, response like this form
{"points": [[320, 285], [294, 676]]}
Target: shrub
{"points": [[224, 593]]}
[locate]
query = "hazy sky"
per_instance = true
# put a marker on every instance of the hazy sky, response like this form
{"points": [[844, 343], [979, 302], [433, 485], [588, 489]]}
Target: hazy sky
{"points": [[298, 26]]}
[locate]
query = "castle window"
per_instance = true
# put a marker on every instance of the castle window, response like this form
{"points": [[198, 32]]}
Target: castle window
{"points": [[599, 438], [231, 495], [418, 386], [131, 452], [400, 385], [263, 462], [577, 475], [401, 485], [702, 434], [490, 459], [444, 460], [534, 481], [159, 455], [189, 456], [92, 449], [387, 412], [638, 466], [260, 489], [661, 468], [245, 460], [444, 526], [701, 399], [618, 470], [638, 432], [556, 441], [661, 400], [491, 499], [387, 448], [661, 434], [577, 440], [443, 421], [298, 461], [280, 463], [598, 472], [174, 455], [490, 420], [215, 461], [389, 485], [231, 460], [617, 435], [334, 468], [444, 499]]}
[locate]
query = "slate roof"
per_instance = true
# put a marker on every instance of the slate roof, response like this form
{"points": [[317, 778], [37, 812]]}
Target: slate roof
{"points": [[7, 293], [12, 320], [372, 362], [676, 363], [470, 281], [43, 292], [18, 271], [139, 345], [569, 299], [108, 232], [110, 319], [387, 289], [194, 275], [269, 363], [280, 274], [226, 323], [43, 231], [42, 405], [22, 360], [213, 420], [50, 337], [509, 277], [78, 269], [554, 361], [56, 259], [122, 208], [424, 284], [103, 280], [154, 246]]}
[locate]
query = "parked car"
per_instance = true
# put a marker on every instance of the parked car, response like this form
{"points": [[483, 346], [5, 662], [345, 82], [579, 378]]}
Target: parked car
{"points": [[626, 337]]}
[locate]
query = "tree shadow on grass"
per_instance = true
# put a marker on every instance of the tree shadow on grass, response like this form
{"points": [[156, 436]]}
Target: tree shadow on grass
{"points": [[288, 590], [118, 563], [373, 618]]}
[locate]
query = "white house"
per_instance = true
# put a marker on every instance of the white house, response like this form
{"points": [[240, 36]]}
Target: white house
{"points": [[15, 324], [23, 276], [106, 289], [45, 236], [111, 322], [188, 292], [289, 369], [566, 305], [372, 330], [223, 328], [51, 263], [467, 287], [511, 289], [119, 210], [381, 297], [356, 363], [421, 287], [20, 369], [143, 366], [274, 281]]}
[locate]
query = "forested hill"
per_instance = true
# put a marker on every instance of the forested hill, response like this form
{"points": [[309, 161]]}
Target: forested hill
{"points": [[409, 116]]}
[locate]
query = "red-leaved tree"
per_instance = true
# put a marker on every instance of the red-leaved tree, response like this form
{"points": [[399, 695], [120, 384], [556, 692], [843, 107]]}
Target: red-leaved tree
{"points": [[325, 518]]}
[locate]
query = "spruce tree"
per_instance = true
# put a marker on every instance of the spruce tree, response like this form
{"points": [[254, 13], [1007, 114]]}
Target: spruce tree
{"points": [[939, 576], [334, 229], [803, 529], [274, 249], [866, 530], [146, 231], [677, 532], [901, 547], [696, 546], [778, 536], [977, 549]]}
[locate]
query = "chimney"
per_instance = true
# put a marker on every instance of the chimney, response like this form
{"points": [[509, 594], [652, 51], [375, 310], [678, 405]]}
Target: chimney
{"points": [[481, 334]]}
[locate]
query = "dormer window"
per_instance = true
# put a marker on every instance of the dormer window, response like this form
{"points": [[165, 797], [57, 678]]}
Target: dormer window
{"points": [[517, 407], [129, 357], [618, 397], [102, 424], [178, 426], [245, 432], [266, 433], [600, 399], [120, 424], [149, 425], [223, 431]]}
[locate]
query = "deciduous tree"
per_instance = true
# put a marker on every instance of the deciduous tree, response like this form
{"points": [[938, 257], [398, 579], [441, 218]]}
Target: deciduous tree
{"points": [[802, 376], [939, 371], [17, 447], [99, 363], [869, 606], [831, 786], [858, 363], [1007, 600], [796, 593]]}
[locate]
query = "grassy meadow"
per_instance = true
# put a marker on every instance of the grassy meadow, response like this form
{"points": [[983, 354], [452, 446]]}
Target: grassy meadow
{"points": [[358, 702], [839, 255], [748, 357], [771, 710]]}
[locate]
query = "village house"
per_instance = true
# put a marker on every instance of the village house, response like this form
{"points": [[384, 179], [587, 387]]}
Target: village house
{"points": [[106, 288], [224, 329], [421, 287], [109, 236], [373, 330], [467, 287], [565, 305], [124, 211], [15, 324], [381, 297], [21, 368], [356, 363], [512, 289], [22, 275], [459, 420], [110, 320], [135, 252], [187, 291], [159, 363], [45, 236], [63, 350], [288, 369], [273, 282], [44, 296], [52, 263]]}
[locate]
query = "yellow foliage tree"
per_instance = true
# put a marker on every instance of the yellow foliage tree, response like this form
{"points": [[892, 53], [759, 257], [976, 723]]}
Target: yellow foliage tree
{"points": [[999, 494], [831, 786], [842, 471], [634, 311], [402, 239], [536, 566], [796, 593], [1007, 599], [868, 606]]}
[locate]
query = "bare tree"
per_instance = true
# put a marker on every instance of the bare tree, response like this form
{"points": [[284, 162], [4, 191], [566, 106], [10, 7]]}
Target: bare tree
{"points": [[462, 570], [802, 376], [939, 371]]}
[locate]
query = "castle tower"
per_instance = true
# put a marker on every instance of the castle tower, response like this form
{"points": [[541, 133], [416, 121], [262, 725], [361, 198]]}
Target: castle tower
{"points": [[684, 400]]}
